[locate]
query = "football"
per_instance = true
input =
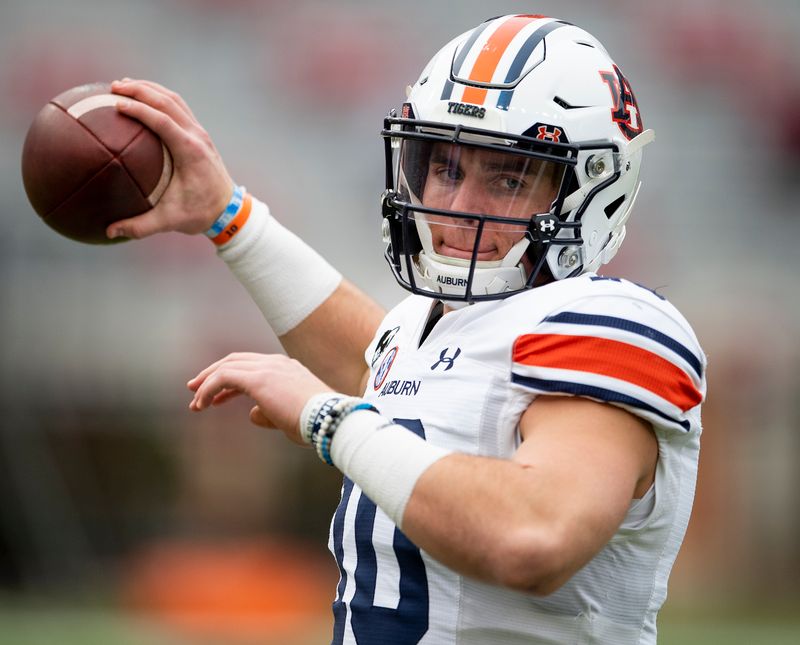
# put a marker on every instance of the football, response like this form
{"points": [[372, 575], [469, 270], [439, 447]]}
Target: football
{"points": [[85, 165]]}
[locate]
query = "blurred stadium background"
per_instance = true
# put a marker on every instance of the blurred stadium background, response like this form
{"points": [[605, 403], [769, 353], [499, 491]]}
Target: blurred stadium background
{"points": [[125, 519]]}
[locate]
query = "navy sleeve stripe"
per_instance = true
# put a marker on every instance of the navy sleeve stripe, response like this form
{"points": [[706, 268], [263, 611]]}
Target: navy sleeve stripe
{"points": [[573, 318], [603, 394]]}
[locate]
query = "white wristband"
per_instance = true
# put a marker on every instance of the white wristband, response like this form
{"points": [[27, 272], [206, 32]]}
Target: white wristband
{"points": [[383, 458], [285, 277]]}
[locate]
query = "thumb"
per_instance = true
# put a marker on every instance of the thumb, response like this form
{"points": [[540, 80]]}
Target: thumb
{"points": [[257, 417], [136, 227]]}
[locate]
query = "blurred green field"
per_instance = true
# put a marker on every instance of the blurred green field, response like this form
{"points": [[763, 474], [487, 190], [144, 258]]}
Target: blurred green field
{"points": [[739, 631], [84, 627], [69, 627]]}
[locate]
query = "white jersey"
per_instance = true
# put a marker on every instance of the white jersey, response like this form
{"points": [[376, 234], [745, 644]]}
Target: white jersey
{"points": [[464, 388]]}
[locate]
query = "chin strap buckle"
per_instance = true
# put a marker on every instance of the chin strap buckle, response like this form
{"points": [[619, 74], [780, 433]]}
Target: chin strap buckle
{"points": [[386, 207]]}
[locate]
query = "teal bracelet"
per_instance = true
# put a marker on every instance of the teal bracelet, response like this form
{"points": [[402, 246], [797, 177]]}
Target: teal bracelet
{"points": [[327, 418], [231, 211]]}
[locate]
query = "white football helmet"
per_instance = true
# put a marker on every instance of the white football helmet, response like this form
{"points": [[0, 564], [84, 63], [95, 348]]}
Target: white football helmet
{"points": [[533, 112]]}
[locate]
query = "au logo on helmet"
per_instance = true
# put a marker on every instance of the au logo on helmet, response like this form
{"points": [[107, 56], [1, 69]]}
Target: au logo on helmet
{"points": [[625, 112]]}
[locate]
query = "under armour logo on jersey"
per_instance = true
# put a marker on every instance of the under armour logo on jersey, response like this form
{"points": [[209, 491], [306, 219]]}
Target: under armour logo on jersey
{"points": [[445, 359]]}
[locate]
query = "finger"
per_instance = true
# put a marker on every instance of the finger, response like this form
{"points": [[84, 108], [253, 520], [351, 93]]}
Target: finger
{"points": [[170, 93], [224, 397], [176, 138], [213, 385], [257, 417], [225, 378], [136, 227], [158, 99], [196, 381], [237, 357]]}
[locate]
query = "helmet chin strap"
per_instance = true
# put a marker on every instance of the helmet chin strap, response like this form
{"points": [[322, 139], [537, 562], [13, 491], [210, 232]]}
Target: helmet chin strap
{"points": [[447, 275]]}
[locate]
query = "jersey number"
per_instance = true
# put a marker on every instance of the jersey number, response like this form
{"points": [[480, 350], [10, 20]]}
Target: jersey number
{"points": [[373, 625]]}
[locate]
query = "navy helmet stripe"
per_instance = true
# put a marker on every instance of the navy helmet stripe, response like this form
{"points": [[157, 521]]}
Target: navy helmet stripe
{"points": [[600, 393], [447, 91], [684, 352], [462, 55], [522, 57]]}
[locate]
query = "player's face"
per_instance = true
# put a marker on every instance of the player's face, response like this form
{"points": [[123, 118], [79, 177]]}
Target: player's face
{"points": [[485, 182]]}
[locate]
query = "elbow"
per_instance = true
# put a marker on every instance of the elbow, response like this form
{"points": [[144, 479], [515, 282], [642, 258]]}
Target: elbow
{"points": [[533, 561]]}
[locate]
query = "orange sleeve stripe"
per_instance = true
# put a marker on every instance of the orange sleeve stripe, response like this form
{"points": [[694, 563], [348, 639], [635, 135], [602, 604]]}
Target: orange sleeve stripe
{"points": [[487, 61], [236, 224], [609, 358]]}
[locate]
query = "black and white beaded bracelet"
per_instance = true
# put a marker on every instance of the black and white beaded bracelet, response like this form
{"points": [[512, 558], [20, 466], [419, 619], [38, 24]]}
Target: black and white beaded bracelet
{"points": [[322, 416]]}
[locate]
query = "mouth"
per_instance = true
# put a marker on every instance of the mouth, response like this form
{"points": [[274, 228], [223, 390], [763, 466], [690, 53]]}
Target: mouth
{"points": [[488, 253]]}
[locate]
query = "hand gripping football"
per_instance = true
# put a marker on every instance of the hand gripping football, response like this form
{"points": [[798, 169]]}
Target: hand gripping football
{"points": [[85, 165]]}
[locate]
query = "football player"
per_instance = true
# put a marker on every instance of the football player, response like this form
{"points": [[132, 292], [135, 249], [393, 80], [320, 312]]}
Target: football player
{"points": [[519, 436]]}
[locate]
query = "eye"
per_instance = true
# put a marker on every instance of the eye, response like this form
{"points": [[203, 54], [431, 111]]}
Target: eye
{"points": [[512, 183], [448, 173]]}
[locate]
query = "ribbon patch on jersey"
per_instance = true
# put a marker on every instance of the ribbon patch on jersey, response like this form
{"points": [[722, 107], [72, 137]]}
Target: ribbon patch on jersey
{"points": [[383, 370]]}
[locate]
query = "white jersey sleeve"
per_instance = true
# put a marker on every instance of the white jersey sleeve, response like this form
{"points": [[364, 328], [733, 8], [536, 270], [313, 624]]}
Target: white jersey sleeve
{"points": [[620, 344]]}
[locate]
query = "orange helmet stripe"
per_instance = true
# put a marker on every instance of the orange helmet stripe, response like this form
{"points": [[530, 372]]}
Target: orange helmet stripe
{"points": [[487, 61]]}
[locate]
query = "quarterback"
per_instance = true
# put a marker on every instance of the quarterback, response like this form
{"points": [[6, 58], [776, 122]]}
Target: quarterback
{"points": [[519, 436]]}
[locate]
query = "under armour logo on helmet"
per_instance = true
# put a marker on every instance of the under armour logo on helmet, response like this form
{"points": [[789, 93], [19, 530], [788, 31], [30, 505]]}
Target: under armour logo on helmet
{"points": [[549, 133], [546, 225]]}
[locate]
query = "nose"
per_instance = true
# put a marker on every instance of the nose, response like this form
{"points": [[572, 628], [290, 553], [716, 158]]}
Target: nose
{"points": [[469, 198]]}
